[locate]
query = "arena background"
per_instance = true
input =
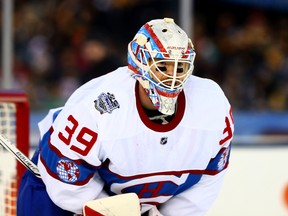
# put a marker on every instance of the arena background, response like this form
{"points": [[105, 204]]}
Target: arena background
{"points": [[241, 44]]}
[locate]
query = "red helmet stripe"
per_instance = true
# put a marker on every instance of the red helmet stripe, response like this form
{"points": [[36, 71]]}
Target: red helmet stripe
{"points": [[156, 39], [188, 51], [133, 69]]}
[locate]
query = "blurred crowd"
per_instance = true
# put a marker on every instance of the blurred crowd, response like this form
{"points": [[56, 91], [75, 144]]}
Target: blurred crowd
{"points": [[244, 49], [59, 45]]}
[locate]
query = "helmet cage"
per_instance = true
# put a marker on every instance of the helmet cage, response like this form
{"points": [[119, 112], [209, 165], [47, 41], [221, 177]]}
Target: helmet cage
{"points": [[145, 60], [157, 44]]}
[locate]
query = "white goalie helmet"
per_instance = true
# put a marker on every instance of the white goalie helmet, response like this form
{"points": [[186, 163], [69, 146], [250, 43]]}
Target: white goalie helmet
{"points": [[156, 45]]}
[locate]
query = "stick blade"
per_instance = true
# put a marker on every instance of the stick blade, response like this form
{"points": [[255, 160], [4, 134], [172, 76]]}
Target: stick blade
{"points": [[119, 205]]}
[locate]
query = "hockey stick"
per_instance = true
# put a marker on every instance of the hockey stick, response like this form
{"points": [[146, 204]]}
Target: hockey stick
{"points": [[20, 156], [118, 205]]}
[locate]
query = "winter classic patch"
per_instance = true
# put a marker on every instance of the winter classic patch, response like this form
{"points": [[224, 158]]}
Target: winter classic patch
{"points": [[106, 103]]}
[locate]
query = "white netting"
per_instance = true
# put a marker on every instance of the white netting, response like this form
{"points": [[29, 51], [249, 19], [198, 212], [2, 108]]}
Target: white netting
{"points": [[8, 170]]}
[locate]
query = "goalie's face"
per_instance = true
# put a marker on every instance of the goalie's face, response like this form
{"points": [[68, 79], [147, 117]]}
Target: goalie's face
{"points": [[170, 74]]}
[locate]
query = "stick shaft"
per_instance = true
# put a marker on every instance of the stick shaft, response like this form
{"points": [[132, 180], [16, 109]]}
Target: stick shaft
{"points": [[20, 156]]}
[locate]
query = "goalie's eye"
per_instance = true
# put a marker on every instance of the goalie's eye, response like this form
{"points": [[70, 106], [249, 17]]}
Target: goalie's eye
{"points": [[180, 67], [161, 68]]}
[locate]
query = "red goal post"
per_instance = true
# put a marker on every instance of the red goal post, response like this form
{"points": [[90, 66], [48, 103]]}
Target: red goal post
{"points": [[14, 124]]}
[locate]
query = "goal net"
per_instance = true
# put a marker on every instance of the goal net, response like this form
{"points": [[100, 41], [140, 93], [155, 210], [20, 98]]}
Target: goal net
{"points": [[14, 124]]}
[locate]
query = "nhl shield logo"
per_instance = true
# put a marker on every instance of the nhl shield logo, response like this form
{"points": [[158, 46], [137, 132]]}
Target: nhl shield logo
{"points": [[164, 140], [106, 103]]}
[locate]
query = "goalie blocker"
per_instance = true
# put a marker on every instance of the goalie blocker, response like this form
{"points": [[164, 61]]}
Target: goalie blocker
{"points": [[118, 205]]}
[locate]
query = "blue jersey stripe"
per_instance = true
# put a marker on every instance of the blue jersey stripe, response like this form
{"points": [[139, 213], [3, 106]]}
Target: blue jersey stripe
{"points": [[76, 172]]}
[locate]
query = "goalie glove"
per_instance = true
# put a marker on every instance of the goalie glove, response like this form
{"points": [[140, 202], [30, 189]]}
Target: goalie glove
{"points": [[119, 205]]}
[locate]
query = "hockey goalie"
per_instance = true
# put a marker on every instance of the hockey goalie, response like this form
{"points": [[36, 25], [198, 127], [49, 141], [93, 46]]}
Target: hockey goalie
{"points": [[150, 129]]}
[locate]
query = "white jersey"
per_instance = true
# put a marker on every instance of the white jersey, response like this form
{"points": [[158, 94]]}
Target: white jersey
{"points": [[101, 143]]}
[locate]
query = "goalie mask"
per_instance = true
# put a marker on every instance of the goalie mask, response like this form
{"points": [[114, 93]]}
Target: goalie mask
{"points": [[161, 56]]}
